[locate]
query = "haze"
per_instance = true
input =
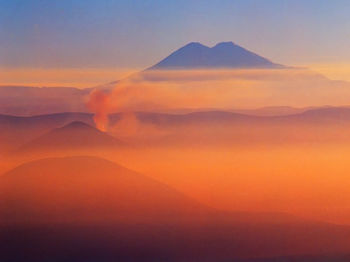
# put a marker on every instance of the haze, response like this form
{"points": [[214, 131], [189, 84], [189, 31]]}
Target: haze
{"points": [[174, 131]]}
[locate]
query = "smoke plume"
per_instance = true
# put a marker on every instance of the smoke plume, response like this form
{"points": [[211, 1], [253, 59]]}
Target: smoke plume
{"points": [[99, 103]]}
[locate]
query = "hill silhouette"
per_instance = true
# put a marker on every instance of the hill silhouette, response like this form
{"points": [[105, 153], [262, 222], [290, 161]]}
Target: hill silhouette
{"points": [[86, 188], [74, 135]]}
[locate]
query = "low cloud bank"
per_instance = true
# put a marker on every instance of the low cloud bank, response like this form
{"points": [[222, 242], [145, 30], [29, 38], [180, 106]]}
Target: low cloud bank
{"points": [[162, 91]]}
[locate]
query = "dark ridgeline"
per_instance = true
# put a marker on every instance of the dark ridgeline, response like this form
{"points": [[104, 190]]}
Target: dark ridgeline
{"points": [[222, 55]]}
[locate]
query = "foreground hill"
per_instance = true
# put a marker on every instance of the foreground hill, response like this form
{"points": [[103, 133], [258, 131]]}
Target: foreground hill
{"points": [[222, 55], [85, 189], [89, 209], [91, 189]]}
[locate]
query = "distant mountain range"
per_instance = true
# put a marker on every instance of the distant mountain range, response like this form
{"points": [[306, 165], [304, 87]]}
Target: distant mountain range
{"points": [[222, 55], [76, 131]]}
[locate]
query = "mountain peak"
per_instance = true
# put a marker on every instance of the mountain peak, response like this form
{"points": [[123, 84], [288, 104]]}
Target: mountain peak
{"points": [[194, 44], [223, 55]]}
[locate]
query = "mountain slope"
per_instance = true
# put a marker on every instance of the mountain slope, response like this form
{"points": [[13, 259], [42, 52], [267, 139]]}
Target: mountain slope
{"points": [[222, 55]]}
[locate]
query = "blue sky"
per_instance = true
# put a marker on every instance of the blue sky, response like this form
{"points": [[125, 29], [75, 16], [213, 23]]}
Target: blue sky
{"points": [[138, 33]]}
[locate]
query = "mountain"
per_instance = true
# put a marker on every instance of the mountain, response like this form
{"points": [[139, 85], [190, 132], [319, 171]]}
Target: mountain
{"points": [[222, 55], [75, 135]]}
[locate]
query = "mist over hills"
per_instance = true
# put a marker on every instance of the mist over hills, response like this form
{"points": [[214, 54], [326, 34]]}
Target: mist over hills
{"points": [[244, 80], [55, 131], [28, 100], [25, 100]]}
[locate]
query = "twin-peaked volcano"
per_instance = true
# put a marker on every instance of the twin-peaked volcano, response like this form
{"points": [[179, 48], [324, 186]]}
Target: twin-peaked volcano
{"points": [[222, 55]]}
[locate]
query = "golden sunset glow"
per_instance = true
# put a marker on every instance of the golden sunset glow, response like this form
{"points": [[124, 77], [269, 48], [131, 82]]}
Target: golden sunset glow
{"points": [[65, 77], [174, 131], [333, 71]]}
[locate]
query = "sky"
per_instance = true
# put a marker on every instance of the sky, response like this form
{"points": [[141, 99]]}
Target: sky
{"points": [[134, 34]]}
